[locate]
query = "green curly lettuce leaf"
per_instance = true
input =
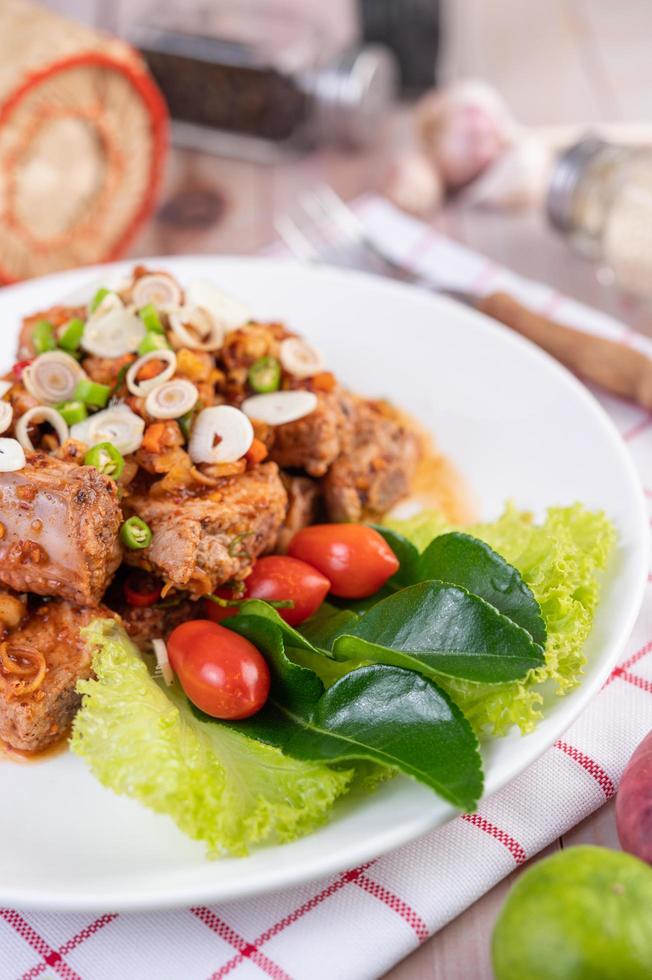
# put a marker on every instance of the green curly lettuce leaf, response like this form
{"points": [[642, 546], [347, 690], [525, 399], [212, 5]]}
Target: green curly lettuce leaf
{"points": [[560, 559], [218, 785]]}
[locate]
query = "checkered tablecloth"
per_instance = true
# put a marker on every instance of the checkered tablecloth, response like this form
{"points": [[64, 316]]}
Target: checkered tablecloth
{"points": [[357, 924]]}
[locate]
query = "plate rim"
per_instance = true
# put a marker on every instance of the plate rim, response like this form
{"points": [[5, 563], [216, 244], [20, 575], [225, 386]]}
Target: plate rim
{"points": [[389, 839]]}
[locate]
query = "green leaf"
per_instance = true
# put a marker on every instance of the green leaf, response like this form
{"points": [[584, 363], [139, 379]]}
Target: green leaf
{"points": [[382, 714], [142, 740], [329, 622], [470, 563], [407, 555], [441, 629]]}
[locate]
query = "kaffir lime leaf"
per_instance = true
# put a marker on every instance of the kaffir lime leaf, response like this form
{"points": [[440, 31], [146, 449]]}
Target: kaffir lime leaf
{"points": [[583, 914]]}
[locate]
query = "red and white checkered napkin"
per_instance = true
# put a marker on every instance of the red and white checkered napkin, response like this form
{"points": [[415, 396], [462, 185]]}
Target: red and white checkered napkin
{"points": [[358, 924]]}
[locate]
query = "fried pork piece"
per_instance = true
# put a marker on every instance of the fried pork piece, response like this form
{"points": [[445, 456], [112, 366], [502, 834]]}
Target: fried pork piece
{"points": [[147, 623], [304, 498], [315, 441], [377, 469], [209, 537], [31, 720], [59, 527], [56, 315]]}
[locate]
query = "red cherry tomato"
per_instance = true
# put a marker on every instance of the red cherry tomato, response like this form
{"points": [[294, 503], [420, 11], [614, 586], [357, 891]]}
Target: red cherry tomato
{"points": [[356, 559], [278, 578], [220, 671], [141, 589]]}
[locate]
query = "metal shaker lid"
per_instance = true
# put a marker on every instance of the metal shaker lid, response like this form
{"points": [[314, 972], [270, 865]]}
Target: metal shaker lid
{"points": [[570, 167], [351, 95]]}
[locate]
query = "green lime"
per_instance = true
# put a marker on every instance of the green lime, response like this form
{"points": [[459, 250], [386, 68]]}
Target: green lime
{"points": [[583, 914]]}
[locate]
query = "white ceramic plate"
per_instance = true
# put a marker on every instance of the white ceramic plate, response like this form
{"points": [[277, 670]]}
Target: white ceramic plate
{"points": [[517, 425]]}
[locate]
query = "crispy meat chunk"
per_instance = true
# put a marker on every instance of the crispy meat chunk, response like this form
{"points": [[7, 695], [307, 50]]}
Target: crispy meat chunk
{"points": [[58, 529], [304, 498], [146, 623], [315, 441], [378, 468], [33, 721], [204, 539]]}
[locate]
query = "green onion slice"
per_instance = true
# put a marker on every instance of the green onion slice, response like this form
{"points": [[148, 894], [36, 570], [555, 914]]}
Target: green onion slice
{"points": [[153, 341], [71, 335], [91, 393], [72, 411], [105, 458], [135, 533], [43, 337], [149, 315], [97, 299], [264, 375]]}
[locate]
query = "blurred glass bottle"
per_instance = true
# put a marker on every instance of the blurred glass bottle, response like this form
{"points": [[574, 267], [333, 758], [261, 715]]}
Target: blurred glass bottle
{"points": [[242, 76], [600, 199]]}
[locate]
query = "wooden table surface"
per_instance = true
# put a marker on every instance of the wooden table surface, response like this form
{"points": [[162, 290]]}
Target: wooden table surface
{"points": [[601, 72]]}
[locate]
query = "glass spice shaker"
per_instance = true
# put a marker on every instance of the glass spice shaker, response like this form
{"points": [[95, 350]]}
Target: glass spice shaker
{"points": [[600, 199]]}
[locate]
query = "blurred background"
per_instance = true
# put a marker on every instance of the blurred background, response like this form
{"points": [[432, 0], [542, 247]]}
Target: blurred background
{"points": [[459, 112]]}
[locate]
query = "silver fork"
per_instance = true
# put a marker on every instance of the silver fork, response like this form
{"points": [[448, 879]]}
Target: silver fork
{"points": [[320, 227]]}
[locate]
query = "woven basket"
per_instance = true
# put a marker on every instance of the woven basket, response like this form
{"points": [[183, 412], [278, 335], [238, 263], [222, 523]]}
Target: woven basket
{"points": [[83, 135]]}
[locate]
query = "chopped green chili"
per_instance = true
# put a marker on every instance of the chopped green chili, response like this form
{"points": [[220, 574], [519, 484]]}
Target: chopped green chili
{"points": [[106, 458], [71, 335], [72, 411], [264, 375], [135, 533], [92, 393], [43, 337], [149, 315]]}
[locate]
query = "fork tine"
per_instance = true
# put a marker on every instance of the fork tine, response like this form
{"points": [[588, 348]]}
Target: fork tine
{"points": [[295, 238], [329, 219]]}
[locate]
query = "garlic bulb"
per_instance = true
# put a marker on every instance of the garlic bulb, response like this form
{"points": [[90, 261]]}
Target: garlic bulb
{"points": [[227, 310], [413, 184], [197, 328], [6, 416], [463, 129], [518, 178], [112, 330], [12, 456]]}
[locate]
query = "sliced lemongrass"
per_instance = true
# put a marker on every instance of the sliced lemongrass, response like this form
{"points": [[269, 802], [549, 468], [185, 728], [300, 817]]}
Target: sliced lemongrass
{"points": [[52, 377], [162, 660], [112, 330], [280, 407], [157, 288], [226, 309], [33, 416], [220, 434], [5, 386], [6, 415], [12, 456], [196, 327], [141, 388], [299, 358], [172, 399], [119, 426]]}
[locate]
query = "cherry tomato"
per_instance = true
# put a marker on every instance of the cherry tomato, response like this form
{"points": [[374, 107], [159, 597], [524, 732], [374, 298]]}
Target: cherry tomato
{"points": [[356, 559], [221, 672], [277, 578], [141, 589], [217, 613]]}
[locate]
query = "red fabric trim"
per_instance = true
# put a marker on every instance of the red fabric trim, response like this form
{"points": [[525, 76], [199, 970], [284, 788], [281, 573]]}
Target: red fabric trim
{"points": [[50, 956], [637, 429], [246, 950], [396, 904], [512, 845], [156, 108], [593, 768], [640, 682]]}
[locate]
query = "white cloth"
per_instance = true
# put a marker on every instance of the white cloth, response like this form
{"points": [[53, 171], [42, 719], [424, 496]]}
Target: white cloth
{"points": [[357, 924]]}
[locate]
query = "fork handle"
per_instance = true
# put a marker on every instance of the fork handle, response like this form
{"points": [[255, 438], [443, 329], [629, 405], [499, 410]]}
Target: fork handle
{"points": [[616, 367]]}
